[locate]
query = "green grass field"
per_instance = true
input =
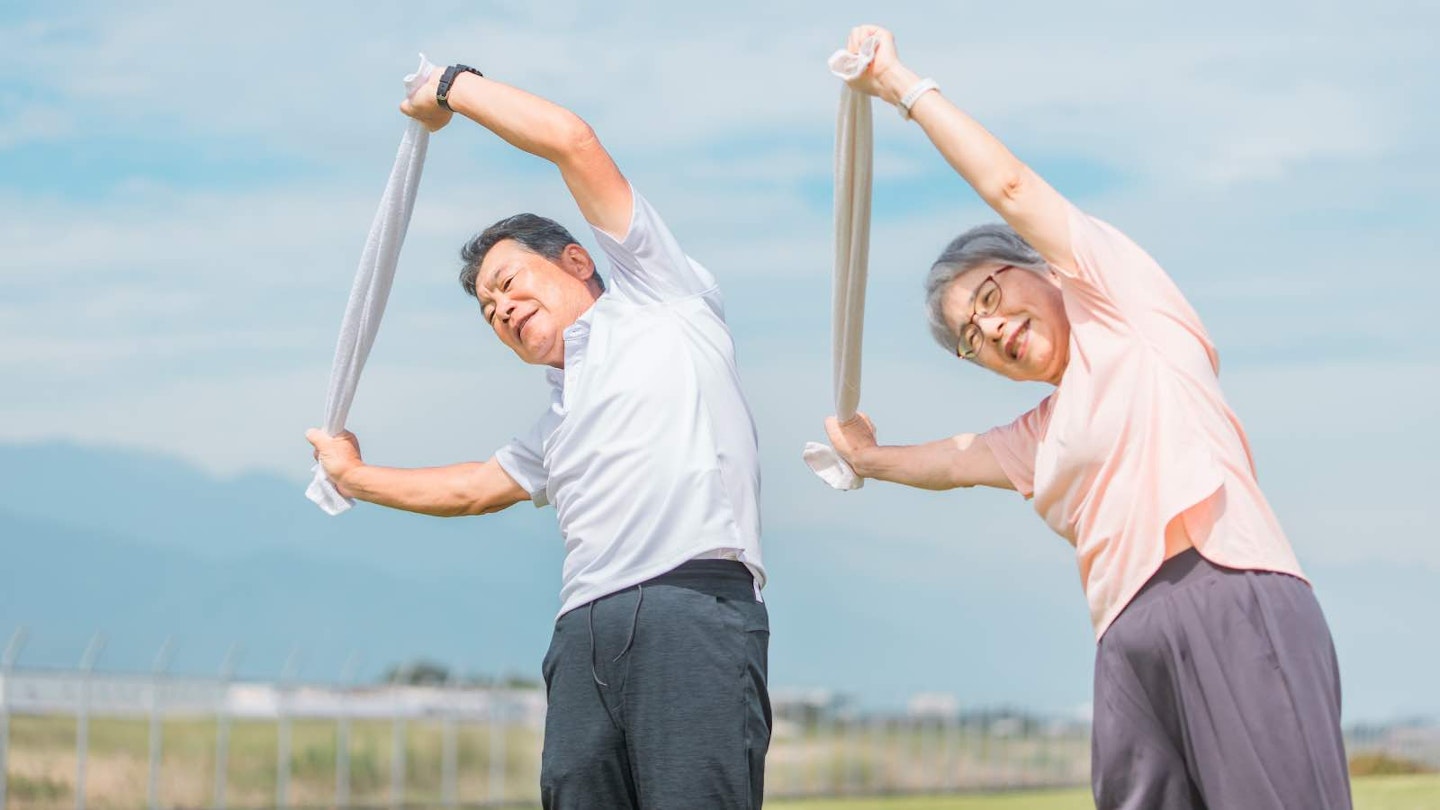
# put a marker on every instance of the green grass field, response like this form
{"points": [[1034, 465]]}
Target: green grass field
{"points": [[42, 767], [42, 763], [1421, 792]]}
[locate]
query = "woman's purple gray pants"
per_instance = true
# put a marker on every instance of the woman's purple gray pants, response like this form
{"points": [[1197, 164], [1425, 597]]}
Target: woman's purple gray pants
{"points": [[1218, 688]]}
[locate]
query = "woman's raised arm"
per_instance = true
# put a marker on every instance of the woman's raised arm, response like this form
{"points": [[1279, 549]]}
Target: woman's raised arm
{"points": [[1035, 210]]}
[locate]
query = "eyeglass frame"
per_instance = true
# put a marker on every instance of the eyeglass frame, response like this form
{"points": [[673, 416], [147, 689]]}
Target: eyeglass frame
{"points": [[975, 312]]}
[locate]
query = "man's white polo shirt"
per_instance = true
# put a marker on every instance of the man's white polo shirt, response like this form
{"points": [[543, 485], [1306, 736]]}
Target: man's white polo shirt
{"points": [[648, 449]]}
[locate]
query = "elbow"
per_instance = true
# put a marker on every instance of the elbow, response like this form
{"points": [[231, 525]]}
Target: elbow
{"points": [[475, 507], [461, 503], [576, 141], [471, 508], [1009, 188]]}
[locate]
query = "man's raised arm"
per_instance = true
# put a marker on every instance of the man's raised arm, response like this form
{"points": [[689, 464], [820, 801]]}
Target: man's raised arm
{"points": [[542, 128]]}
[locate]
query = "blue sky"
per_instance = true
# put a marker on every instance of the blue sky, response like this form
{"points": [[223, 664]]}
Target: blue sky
{"points": [[185, 189]]}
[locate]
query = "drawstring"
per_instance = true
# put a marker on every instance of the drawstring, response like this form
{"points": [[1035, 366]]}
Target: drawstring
{"points": [[593, 673], [629, 642], [634, 620]]}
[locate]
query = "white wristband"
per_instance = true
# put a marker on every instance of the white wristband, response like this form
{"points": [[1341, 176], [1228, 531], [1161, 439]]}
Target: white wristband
{"points": [[913, 94]]}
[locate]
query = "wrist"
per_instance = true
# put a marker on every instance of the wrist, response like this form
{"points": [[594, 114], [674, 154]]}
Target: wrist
{"points": [[895, 81], [450, 79], [346, 477], [862, 461]]}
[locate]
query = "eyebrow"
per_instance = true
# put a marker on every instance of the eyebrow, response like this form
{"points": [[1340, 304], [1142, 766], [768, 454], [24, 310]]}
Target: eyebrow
{"points": [[488, 283], [993, 275]]}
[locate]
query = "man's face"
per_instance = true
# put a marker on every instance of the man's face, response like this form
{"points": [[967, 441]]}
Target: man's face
{"points": [[530, 301]]}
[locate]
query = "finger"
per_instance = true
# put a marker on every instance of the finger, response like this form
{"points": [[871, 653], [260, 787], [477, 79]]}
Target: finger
{"points": [[315, 436]]}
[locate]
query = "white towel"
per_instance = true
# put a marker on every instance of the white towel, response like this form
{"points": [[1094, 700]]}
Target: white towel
{"points": [[854, 152], [372, 288]]}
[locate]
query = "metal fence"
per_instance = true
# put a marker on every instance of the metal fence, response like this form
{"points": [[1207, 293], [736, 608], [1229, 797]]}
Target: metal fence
{"points": [[80, 736]]}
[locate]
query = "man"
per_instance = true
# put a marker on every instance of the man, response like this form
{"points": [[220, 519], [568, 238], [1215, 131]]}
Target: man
{"points": [[656, 673]]}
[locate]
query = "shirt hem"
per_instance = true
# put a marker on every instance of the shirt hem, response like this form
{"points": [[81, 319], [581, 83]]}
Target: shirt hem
{"points": [[1124, 603]]}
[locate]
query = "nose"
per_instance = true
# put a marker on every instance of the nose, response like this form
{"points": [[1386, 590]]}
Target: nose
{"points": [[991, 326]]}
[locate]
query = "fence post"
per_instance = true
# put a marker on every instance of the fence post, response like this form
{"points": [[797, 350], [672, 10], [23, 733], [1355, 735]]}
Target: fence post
{"points": [[497, 747], [282, 730], [852, 759], [82, 719], [947, 750], [342, 733], [447, 743], [7, 666], [928, 749], [397, 753], [157, 674], [876, 756], [222, 726]]}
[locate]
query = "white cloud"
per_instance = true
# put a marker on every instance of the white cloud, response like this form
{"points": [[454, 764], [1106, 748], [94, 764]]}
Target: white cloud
{"points": [[198, 319]]}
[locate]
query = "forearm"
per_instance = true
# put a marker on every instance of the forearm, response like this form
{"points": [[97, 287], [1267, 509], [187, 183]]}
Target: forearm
{"points": [[959, 461], [524, 120], [450, 491], [1020, 196], [924, 466], [978, 156], [549, 131]]}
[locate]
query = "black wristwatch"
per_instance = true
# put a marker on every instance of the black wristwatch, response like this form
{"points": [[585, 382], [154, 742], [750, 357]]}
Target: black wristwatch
{"points": [[442, 90]]}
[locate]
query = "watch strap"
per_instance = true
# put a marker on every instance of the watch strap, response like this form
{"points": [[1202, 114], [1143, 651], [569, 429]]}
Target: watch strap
{"points": [[442, 90]]}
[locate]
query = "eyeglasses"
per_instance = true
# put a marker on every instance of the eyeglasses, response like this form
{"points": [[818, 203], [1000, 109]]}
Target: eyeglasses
{"points": [[987, 301]]}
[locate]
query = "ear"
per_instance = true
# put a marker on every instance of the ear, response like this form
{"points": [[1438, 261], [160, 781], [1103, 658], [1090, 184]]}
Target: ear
{"points": [[576, 261]]}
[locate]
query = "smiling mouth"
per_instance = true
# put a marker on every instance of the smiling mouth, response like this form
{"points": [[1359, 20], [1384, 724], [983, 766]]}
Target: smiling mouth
{"points": [[520, 326], [1015, 346]]}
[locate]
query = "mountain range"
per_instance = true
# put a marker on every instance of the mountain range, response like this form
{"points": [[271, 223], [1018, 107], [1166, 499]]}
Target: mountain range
{"points": [[146, 548]]}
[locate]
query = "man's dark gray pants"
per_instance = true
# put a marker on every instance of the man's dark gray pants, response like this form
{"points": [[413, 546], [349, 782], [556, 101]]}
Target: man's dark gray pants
{"points": [[1219, 689], [657, 696]]}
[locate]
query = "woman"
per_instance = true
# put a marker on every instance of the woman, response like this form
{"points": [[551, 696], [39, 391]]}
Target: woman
{"points": [[1216, 684]]}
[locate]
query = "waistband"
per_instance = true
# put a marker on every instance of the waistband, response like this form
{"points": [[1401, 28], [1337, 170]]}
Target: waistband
{"points": [[727, 578], [1185, 567]]}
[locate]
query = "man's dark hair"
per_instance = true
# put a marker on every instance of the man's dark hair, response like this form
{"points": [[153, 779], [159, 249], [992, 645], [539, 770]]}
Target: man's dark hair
{"points": [[534, 233]]}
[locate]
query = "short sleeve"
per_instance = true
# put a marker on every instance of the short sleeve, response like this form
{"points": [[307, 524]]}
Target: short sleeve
{"points": [[1123, 285], [1015, 445], [648, 265], [524, 457]]}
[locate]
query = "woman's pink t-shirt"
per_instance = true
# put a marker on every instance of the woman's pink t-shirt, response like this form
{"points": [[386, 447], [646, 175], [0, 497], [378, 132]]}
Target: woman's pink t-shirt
{"points": [[1137, 432]]}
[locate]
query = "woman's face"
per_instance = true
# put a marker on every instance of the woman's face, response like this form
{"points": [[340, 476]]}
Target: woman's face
{"points": [[1018, 319]]}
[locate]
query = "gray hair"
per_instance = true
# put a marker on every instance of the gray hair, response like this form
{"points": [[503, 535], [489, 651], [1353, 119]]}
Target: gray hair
{"points": [[534, 233], [989, 244]]}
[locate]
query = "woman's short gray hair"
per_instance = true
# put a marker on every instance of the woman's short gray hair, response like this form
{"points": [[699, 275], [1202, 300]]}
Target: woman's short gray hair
{"points": [[990, 244]]}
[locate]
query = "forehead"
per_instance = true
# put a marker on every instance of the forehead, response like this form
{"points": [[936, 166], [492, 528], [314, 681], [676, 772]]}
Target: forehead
{"points": [[503, 254], [961, 290]]}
